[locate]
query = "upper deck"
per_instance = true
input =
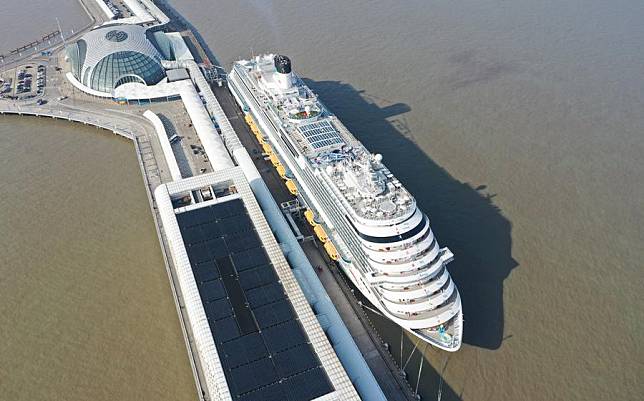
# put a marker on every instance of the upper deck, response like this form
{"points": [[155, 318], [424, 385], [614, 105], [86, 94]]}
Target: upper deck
{"points": [[365, 184]]}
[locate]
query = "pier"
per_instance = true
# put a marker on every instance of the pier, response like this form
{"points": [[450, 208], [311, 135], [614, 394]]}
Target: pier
{"points": [[374, 350], [153, 171], [64, 102]]}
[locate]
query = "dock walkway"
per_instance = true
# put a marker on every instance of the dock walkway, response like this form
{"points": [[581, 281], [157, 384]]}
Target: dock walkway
{"points": [[153, 169], [130, 124], [394, 386]]}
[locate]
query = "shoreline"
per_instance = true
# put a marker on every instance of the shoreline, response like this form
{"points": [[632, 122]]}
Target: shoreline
{"points": [[132, 137], [10, 61], [152, 176]]}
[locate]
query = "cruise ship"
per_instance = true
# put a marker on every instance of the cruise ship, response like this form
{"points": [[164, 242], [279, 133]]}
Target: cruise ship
{"points": [[369, 222]]}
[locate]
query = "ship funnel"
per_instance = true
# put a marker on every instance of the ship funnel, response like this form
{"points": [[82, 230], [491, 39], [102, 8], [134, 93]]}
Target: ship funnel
{"points": [[284, 75], [282, 64]]}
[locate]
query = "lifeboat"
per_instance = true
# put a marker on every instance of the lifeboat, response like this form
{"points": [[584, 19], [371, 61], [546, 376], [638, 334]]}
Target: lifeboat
{"points": [[281, 171], [320, 233], [331, 251], [292, 188], [310, 217], [274, 160]]}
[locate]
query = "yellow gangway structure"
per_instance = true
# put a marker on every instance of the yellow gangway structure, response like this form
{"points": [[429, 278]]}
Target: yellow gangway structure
{"points": [[267, 149], [273, 158], [281, 170], [331, 251], [249, 120], [310, 217], [320, 233], [292, 188]]}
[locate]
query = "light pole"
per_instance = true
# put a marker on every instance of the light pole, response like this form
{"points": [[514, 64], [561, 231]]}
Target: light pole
{"points": [[61, 32]]}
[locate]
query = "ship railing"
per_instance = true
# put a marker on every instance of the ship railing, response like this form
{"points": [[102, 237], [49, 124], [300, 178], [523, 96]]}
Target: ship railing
{"points": [[425, 271], [424, 298], [448, 307], [390, 287], [409, 258]]}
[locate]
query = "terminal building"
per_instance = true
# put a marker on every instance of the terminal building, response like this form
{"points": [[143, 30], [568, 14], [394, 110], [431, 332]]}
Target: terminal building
{"points": [[255, 336], [125, 62], [258, 323], [108, 57]]}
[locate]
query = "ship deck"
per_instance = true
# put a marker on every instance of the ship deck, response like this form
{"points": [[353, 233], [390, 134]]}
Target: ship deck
{"points": [[380, 361]]}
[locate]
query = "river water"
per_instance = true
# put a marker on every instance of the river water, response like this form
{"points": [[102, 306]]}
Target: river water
{"points": [[23, 22], [519, 127], [86, 310]]}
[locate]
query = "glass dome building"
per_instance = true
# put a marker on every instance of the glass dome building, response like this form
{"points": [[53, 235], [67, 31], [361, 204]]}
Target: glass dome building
{"points": [[110, 56]]}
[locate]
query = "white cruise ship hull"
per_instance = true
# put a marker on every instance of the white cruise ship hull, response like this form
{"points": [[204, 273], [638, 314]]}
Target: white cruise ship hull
{"points": [[440, 326]]}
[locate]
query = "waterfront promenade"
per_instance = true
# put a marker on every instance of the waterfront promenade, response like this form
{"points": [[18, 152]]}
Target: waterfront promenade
{"points": [[137, 129], [129, 123], [62, 101]]}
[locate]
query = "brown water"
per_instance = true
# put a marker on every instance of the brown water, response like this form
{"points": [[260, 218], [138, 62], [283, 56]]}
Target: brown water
{"points": [[519, 127], [23, 22], [86, 310]]}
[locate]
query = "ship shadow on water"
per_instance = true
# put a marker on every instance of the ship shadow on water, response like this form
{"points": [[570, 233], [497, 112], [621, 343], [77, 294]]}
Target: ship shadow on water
{"points": [[462, 215]]}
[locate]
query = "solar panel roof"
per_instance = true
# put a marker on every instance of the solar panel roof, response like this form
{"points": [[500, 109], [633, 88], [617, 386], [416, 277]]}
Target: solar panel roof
{"points": [[321, 134], [262, 346]]}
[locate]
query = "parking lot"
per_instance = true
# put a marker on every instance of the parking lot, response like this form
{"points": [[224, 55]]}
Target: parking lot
{"points": [[25, 82]]}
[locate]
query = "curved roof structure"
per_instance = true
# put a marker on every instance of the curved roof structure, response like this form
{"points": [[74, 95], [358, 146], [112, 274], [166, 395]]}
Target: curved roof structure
{"points": [[107, 57]]}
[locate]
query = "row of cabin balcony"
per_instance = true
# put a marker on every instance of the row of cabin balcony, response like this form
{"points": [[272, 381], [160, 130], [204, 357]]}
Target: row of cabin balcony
{"points": [[400, 265], [418, 262], [397, 255], [433, 300], [396, 287], [433, 317], [412, 276], [423, 288]]}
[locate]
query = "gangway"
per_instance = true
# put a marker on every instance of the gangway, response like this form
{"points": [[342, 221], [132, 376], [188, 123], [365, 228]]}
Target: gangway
{"points": [[290, 208]]}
